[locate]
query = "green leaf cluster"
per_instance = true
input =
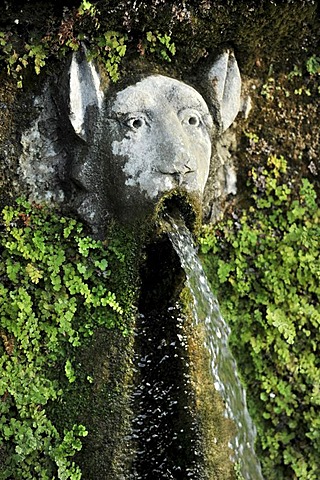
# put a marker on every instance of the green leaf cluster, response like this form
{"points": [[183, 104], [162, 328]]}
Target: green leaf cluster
{"points": [[305, 78], [264, 262], [17, 59], [82, 24], [111, 48], [161, 44], [54, 291]]}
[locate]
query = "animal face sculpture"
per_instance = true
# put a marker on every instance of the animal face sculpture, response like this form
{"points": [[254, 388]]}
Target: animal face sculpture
{"points": [[165, 127], [151, 138]]}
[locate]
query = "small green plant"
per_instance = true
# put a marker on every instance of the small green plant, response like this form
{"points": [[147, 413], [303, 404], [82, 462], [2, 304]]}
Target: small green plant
{"points": [[268, 88], [111, 48], [237, 470], [296, 72], [53, 294], [302, 90], [304, 79], [16, 61], [252, 136], [87, 7], [264, 264], [310, 70], [313, 65], [161, 44], [83, 24]]}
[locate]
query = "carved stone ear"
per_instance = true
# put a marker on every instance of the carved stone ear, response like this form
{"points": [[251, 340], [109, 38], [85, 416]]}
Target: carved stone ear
{"points": [[85, 93], [224, 77]]}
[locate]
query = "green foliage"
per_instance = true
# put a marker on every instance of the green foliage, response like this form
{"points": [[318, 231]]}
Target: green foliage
{"points": [[305, 78], [237, 470], [17, 59], [53, 294], [111, 48], [196, 28], [312, 69], [265, 264], [313, 65], [81, 25], [252, 136], [160, 44], [87, 7]]}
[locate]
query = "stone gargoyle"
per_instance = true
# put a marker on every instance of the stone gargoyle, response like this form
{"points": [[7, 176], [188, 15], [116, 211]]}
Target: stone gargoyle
{"points": [[123, 150]]}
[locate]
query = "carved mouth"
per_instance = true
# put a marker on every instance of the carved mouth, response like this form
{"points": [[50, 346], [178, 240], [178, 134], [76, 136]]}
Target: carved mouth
{"points": [[181, 206]]}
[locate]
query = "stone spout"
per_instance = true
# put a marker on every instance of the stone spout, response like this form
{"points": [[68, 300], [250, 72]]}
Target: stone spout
{"points": [[151, 138], [114, 154]]}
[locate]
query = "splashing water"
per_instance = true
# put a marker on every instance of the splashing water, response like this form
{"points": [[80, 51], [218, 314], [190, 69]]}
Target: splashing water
{"points": [[164, 429], [223, 365]]}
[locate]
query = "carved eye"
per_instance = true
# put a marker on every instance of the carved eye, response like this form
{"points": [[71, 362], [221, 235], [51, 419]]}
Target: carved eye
{"points": [[190, 117], [135, 122], [193, 120]]}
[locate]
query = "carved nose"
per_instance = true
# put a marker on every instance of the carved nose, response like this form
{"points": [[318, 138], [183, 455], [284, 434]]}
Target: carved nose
{"points": [[179, 165], [176, 147], [182, 164], [179, 178]]}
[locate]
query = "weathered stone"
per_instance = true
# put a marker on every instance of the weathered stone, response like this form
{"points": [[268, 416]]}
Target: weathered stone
{"points": [[151, 138], [114, 155], [42, 159], [84, 92], [223, 178], [225, 78]]}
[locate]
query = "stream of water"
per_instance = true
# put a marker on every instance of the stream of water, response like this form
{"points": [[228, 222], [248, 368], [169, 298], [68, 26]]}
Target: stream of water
{"points": [[223, 365]]}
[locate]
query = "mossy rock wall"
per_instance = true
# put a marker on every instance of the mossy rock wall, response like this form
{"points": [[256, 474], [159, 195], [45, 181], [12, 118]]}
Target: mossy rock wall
{"points": [[273, 43]]}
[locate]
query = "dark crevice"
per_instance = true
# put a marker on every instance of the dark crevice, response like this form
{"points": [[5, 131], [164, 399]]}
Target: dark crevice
{"points": [[162, 278]]}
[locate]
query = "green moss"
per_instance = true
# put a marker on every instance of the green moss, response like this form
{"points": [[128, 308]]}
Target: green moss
{"points": [[100, 399], [8, 93], [283, 122], [215, 430], [179, 204]]}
